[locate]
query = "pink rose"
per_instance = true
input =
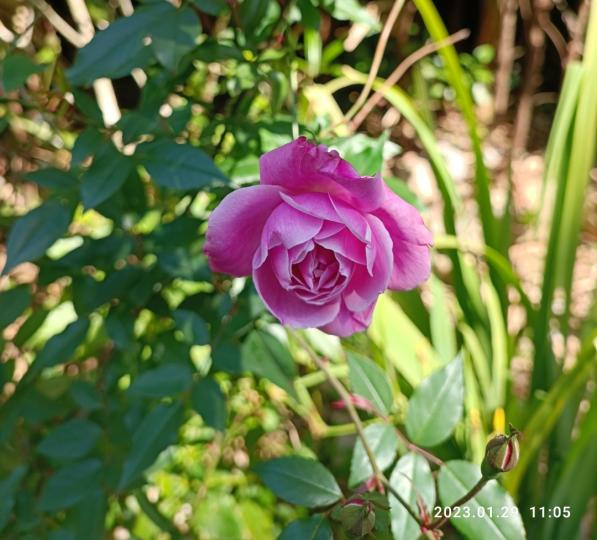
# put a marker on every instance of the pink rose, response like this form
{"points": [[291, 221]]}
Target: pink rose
{"points": [[320, 241]]}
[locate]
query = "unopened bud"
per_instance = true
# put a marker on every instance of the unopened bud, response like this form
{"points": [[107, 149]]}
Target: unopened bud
{"points": [[358, 517], [501, 454]]}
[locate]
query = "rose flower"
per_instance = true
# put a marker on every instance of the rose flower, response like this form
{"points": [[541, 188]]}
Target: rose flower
{"points": [[321, 241]]}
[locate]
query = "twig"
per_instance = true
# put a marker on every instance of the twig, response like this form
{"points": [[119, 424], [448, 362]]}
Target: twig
{"points": [[418, 450], [577, 31], [61, 26], [377, 58], [103, 87], [465, 498], [505, 56], [402, 68], [343, 393], [553, 34]]}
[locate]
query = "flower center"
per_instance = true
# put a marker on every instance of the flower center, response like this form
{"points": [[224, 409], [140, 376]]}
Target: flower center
{"points": [[317, 275]]}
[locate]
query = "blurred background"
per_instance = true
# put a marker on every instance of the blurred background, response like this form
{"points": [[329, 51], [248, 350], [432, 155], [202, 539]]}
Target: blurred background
{"points": [[138, 389]]}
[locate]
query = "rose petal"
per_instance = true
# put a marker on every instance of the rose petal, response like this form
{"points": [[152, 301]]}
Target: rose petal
{"points": [[364, 288], [301, 166], [287, 306], [288, 227], [324, 207], [348, 322], [345, 243], [235, 227], [411, 241]]}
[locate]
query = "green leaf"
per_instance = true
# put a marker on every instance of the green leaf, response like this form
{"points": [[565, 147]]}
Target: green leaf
{"points": [[70, 484], [117, 50], [436, 405], [313, 528], [178, 166], [402, 342], [54, 179], [12, 303], [383, 441], [300, 481], [413, 480], [349, 10], [574, 486], [368, 380], [211, 7], [8, 489], [251, 14], [175, 36], [106, 175], [440, 320], [61, 347], [72, 440], [166, 380], [366, 154], [491, 513], [88, 516], [192, 326], [208, 401], [86, 145], [86, 395], [35, 232], [15, 69], [156, 432], [264, 355]]}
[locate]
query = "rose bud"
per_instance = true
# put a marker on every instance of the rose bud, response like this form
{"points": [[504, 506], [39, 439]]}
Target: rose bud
{"points": [[357, 516], [321, 241], [501, 454]]}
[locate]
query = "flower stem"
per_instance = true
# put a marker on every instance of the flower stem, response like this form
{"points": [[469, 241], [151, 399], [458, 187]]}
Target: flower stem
{"points": [[343, 393], [465, 498]]}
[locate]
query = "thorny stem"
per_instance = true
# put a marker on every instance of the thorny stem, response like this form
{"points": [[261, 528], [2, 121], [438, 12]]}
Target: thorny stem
{"points": [[343, 393], [465, 498]]}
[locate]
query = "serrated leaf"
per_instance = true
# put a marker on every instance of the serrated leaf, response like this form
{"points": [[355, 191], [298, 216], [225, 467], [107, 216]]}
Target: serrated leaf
{"points": [[313, 528], [156, 432], [35, 232], [436, 405], [494, 514], [413, 480], [368, 380], [383, 441], [69, 485], [178, 166], [166, 380], [106, 175], [209, 402], [300, 481], [71, 440]]}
